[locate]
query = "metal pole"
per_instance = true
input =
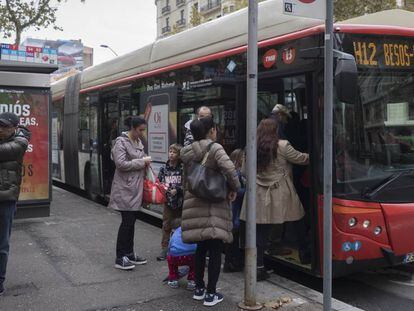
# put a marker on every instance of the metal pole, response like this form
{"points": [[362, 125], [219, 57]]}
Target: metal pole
{"points": [[327, 159], [251, 158]]}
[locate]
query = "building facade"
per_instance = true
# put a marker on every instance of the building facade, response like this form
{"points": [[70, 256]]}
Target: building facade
{"points": [[177, 15]]}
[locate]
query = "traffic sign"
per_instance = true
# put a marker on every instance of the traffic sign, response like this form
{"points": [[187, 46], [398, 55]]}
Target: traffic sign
{"points": [[306, 8]]}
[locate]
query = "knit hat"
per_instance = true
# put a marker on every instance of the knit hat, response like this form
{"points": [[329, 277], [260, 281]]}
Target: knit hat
{"points": [[8, 119]]}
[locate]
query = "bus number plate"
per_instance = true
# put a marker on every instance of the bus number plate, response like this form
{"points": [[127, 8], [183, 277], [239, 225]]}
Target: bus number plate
{"points": [[409, 258]]}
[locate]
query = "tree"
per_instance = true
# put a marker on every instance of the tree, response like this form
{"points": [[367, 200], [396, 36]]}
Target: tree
{"points": [[175, 29], [345, 9], [195, 17], [408, 5], [18, 15]]}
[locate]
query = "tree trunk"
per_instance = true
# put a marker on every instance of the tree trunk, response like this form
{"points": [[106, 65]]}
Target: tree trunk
{"points": [[18, 36]]}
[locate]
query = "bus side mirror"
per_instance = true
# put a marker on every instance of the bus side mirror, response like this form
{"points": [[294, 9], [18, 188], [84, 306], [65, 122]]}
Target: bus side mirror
{"points": [[346, 77]]}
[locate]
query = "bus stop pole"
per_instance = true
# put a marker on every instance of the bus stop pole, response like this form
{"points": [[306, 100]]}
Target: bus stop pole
{"points": [[250, 281], [327, 158]]}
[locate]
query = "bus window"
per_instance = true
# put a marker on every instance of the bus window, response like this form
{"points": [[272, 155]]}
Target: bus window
{"points": [[373, 139], [221, 99], [125, 103]]}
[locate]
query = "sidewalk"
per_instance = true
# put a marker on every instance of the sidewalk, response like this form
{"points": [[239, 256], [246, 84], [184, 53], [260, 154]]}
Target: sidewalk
{"points": [[65, 262]]}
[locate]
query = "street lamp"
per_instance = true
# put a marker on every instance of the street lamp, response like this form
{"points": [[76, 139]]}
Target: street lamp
{"points": [[108, 47]]}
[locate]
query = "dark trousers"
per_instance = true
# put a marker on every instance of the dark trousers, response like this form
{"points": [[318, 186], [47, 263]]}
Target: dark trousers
{"points": [[7, 212], [232, 252], [125, 240], [168, 215], [262, 238], [214, 248]]}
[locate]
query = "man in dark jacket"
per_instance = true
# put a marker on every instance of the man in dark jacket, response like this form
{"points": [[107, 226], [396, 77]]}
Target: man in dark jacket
{"points": [[13, 144], [202, 112]]}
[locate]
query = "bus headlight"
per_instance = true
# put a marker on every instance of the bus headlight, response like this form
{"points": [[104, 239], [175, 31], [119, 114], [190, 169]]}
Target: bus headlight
{"points": [[377, 230], [366, 223], [352, 222]]}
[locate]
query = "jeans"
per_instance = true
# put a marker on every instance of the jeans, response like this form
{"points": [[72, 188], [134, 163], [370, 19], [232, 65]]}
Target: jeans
{"points": [[7, 212], [125, 240], [214, 248]]}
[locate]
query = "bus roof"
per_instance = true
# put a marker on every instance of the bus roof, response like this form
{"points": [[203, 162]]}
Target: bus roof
{"points": [[395, 18], [216, 36], [224, 33]]}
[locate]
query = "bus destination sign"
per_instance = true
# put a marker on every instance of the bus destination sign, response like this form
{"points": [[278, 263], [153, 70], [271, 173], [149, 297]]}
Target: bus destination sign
{"points": [[385, 54]]}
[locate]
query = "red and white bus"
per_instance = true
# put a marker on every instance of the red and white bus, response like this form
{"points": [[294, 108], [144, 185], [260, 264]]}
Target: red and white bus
{"points": [[373, 183]]}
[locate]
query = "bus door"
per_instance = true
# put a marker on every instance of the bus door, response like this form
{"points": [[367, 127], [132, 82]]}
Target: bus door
{"points": [[291, 241], [93, 181], [109, 132]]}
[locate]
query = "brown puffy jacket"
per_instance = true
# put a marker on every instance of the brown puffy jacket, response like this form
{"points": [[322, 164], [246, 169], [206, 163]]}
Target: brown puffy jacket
{"points": [[203, 220]]}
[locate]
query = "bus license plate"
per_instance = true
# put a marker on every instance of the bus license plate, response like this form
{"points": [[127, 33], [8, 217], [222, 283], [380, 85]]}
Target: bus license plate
{"points": [[409, 258]]}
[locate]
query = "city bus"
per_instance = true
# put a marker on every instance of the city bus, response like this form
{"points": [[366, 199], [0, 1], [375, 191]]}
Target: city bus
{"points": [[166, 81]]}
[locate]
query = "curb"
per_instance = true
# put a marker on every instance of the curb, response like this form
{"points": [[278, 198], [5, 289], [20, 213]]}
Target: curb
{"points": [[309, 294]]}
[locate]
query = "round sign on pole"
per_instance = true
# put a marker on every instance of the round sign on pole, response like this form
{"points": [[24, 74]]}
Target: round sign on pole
{"points": [[269, 58], [307, 1]]}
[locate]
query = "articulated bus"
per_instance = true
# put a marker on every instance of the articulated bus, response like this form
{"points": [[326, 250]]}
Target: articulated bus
{"points": [[373, 182]]}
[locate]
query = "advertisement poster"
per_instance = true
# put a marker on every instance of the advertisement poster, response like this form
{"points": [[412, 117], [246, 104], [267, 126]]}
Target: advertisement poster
{"points": [[158, 141], [67, 54], [32, 108], [160, 112]]}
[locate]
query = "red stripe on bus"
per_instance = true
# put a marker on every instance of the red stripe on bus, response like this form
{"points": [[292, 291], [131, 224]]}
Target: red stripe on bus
{"points": [[233, 51]]}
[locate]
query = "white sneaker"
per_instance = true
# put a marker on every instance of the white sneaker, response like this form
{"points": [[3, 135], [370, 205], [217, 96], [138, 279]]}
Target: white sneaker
{"points": [[212, 299]]}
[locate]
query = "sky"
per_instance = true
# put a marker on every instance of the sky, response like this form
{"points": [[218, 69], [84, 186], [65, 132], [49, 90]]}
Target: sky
{"points": [[124, 25]]}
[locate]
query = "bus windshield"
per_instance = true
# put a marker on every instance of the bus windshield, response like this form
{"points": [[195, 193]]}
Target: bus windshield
{"points": [[374, 139]]}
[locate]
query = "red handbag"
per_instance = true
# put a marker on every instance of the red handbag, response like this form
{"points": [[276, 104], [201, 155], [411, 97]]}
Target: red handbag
{"points": [[154, 190]]}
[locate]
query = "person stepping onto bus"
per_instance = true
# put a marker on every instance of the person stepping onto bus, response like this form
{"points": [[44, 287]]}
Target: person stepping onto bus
{"points": [[276, 199], [127, 189], [14, 140], [171, 176], [180, 254], [202, 112], [205, 222]]}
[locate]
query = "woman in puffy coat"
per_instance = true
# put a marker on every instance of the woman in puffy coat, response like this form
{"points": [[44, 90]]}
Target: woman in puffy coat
{"points": [[127, 188], [276, 199], [209, 224]]}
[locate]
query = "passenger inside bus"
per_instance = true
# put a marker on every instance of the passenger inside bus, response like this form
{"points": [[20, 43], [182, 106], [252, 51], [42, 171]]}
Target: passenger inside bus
{"points": [[290, 241]]}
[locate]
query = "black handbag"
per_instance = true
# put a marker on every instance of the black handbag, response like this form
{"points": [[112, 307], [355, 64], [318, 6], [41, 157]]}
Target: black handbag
{"points": [[206, 183]]}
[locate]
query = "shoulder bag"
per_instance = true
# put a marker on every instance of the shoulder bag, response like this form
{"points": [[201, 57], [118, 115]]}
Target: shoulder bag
{"points": [[206, 183]]}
